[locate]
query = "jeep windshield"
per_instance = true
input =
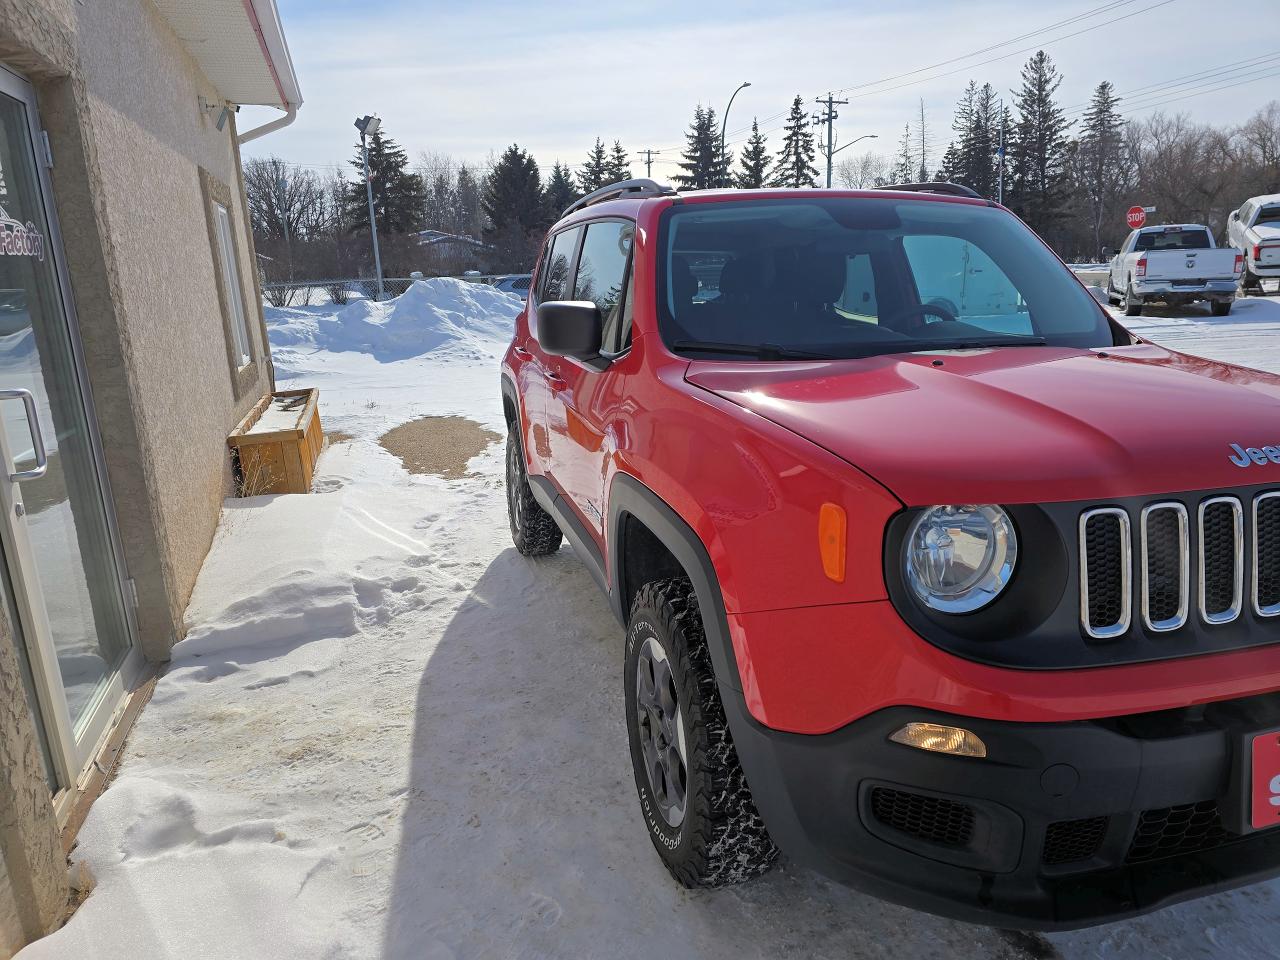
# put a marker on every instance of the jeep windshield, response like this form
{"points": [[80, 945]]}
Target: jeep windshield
{"points": [[835, 277]]}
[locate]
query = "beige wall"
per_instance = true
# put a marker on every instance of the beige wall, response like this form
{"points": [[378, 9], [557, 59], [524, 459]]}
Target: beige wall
{"points": [[119, 96], [33, 872]]}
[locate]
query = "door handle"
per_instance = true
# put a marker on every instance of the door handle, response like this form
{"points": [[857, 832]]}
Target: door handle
{"points": [[33, 427], [522, 353], [555, 379]]}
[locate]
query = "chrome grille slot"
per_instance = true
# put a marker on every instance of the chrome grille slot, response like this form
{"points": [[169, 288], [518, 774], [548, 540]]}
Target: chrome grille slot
{"points": [[1221, 559], [1266, 554], [1106, 565], [1166, 573]]}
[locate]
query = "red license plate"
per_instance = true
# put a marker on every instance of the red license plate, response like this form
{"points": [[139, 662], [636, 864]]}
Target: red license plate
{"points": [[1266, 780]]}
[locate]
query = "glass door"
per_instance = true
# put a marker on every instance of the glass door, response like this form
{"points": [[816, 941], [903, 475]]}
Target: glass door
{"points": [[59, 552]]}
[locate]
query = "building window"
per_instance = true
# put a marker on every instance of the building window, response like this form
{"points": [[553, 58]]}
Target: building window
{"points": [[230, 272]]}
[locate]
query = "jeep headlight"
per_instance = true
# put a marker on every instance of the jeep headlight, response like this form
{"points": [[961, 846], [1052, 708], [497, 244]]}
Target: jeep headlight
{"points": [[959, 558]]}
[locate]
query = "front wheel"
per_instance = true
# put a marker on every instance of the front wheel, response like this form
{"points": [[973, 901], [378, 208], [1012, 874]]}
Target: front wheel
{"points": [[1220, 308], [693, 794]]}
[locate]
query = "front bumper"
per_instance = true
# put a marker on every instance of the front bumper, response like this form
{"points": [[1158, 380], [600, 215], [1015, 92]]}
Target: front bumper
{"points": [[1166, 289], [1063, 825]]}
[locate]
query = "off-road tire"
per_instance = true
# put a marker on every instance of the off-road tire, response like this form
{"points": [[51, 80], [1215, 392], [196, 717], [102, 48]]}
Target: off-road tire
{"points": [[721, 839], [1220, 308], [1132, 305], [533, 530]]}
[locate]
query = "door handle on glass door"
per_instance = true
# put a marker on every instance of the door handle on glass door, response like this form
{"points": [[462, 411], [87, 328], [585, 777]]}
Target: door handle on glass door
{"points": [[33, 427]]}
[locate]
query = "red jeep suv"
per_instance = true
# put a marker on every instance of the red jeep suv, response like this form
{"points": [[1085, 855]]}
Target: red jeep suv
{"points": [[933, 576]]}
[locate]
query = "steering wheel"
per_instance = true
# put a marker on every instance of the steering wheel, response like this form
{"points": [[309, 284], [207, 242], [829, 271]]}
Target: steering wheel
{"points": [[922, 311]]}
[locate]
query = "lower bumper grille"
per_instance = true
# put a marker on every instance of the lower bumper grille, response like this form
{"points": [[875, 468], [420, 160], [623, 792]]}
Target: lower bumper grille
{"points": [[1172, 831], [1070, 841], [934, 819]]}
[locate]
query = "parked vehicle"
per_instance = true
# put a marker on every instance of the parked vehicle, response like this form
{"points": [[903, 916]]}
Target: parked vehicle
{"points": [[516, 283], [932, 575], [1175, 264], [1255, 229]]}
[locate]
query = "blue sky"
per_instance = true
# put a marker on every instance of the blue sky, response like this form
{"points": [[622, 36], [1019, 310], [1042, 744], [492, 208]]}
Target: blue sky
{"points": [[468, 79]]}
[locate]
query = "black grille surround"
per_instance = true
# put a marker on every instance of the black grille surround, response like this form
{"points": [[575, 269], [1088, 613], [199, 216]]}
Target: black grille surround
{"points": [[1177, 830], [1042, 620]]}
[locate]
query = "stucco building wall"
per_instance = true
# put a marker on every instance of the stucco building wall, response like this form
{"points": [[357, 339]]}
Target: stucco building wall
{"points": [[119, 96]]}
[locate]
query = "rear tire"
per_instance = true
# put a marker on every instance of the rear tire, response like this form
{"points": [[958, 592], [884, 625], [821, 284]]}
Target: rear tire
{"points": [[1220, 308], [1132, 304], [693, 794], [1112, 297], [533, 530]]}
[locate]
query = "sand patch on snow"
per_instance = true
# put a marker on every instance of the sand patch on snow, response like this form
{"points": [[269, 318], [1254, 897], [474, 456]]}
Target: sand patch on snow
{"points": [[443, 446]]}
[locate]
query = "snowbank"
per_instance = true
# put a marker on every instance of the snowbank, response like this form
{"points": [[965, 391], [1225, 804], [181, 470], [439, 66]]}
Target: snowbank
{"points": [[465, 320]]}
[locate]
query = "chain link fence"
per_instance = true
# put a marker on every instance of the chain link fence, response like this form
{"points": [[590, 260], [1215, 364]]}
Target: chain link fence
{"points": [[340, 290]]}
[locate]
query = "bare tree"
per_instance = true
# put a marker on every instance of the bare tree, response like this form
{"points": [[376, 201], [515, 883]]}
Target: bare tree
{"points": [[863, 171]]}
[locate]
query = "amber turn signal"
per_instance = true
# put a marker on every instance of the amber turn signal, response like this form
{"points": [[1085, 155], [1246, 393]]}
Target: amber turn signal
{"points": [[938, 738], [832, 537]]}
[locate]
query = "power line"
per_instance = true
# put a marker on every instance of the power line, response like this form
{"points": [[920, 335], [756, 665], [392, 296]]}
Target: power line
{"points": [[1231, 77], [1106, 7], [1188, 77]]}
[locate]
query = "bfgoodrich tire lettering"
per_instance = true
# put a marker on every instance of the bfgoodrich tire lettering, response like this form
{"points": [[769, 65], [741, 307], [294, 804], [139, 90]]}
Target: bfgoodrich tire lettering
{"points": [[718, 837], [533, 530]]}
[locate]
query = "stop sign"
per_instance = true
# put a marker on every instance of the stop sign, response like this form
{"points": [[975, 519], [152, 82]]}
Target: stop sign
{"points": [[1136, 217]]}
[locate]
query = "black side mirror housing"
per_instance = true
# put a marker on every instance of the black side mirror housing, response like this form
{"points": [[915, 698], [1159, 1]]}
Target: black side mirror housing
{"points": [[570, 328]]}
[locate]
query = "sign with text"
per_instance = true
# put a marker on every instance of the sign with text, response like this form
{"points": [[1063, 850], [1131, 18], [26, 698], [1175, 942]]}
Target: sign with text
{"points": [[1136, 217]]}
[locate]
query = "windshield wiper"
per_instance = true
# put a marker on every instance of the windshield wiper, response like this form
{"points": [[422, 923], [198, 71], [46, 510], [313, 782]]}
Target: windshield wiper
{"points": [[761, 351], [971, 343]]}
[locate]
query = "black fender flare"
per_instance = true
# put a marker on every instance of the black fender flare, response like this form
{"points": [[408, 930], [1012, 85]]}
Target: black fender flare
{"points": [[629, 497], [509, 392]]}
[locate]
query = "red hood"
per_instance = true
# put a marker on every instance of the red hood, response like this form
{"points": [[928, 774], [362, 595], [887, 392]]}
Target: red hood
{"points": [[1020, 425]]}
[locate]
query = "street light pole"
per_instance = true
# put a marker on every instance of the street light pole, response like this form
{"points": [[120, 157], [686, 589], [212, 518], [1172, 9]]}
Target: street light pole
{"points": [[724, 123], [367, 127], [865, 136]]}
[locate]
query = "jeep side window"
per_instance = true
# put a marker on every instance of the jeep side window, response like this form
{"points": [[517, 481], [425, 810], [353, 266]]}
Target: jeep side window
{"points": [[555, 285], [602, 272]]}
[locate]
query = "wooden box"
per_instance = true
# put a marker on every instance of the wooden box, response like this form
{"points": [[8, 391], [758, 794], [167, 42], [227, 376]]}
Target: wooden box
{"points": [[277, 443]]}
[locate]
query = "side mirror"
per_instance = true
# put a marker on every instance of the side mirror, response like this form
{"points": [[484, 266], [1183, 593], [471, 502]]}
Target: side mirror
{"points": [[1235, 215], [570, 328]]}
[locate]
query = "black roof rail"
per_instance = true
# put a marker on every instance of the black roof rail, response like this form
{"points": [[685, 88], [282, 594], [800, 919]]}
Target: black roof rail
{"points": [[623, 188], [938, 186]]}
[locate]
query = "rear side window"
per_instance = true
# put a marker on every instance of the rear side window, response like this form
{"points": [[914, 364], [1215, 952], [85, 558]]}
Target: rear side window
{"points": [[602, 271], [959, 277], [555, 281], [1268, 215]]}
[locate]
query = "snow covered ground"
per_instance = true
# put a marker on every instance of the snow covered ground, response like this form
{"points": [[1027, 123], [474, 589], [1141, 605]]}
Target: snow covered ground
{"points": [[388, 735]]}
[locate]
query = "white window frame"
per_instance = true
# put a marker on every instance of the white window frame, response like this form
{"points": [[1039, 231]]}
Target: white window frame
{"points": [[231, 285]]}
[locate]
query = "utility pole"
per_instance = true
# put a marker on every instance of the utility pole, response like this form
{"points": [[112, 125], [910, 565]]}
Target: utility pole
{"points": [[281, 205], [1000, 158], [648, 161], [369, 126], [828, 116]]}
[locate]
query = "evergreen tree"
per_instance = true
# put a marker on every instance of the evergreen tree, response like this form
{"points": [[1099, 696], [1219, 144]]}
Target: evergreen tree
{"points": [[560, 191], [702, 161], [595, 172], [755, 160], [1038, 187], [923, 145], [469, 217], [1101, 161], [794, 167], [904, 165], [399, 195], [950, 169], [618, 167], [514, 204], [976, 125]]}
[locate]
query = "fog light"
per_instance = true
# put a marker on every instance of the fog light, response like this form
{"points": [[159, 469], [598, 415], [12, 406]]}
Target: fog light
{"points": [[941, 739]]}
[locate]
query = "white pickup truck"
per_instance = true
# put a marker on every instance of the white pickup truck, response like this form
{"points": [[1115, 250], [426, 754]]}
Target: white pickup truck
{"points": [[1255, 229], [1176, 263]]}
